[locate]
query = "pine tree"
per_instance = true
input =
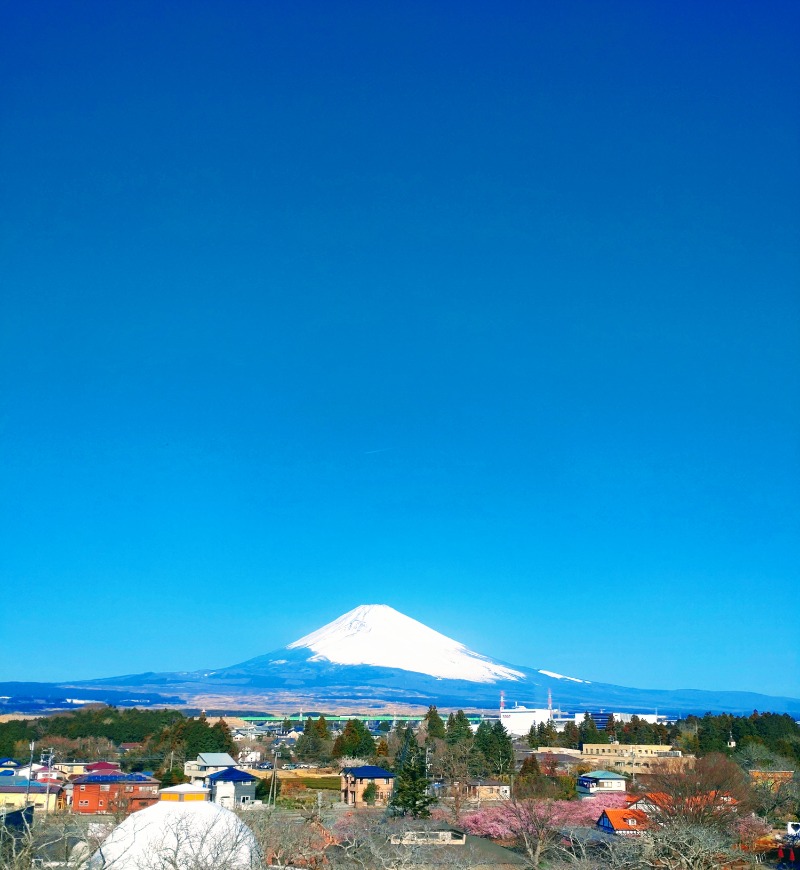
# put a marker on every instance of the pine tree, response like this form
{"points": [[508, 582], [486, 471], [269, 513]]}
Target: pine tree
{"points": [[570, 736], [533, 737], [458, 728], [410, 795], [436, 729], [588, 732], [408, 747], [548, 736], [355, 740], [530, 767], [495, 744]]}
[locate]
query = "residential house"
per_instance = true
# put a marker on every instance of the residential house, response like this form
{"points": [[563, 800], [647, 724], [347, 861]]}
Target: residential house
{"points": [[102, 767], [624, 822], [205, 764], [250, 757], [113, 792], [555, 761], [601, 782], [355, 779], [17, 791], [232, 787], [71, 768], [487, 790]]}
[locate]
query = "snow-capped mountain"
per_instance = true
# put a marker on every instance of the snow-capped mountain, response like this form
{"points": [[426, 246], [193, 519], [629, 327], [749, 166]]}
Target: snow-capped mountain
{"points": [[373, 656], [376, 634]]}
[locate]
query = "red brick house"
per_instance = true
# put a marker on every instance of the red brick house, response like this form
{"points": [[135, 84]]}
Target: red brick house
{"points": [[113, 792]]}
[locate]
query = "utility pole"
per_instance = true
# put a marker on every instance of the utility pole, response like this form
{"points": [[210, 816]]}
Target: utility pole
{"points": [[31, 746], [47, 760]]}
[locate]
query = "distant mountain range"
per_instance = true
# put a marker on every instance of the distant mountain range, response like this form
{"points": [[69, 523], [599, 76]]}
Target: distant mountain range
{"points": [[373, 656]]}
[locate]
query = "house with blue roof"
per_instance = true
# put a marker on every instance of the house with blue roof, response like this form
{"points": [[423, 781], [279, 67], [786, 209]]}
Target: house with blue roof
{"points": [[354, 780], [232, 787]]}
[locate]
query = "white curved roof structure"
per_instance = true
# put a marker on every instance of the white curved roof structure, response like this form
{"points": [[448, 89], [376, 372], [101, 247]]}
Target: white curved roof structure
{"points": [[196, 835]]}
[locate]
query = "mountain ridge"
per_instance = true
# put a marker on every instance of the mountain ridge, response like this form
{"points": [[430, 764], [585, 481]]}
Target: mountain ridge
{"points": [[375, 655]]}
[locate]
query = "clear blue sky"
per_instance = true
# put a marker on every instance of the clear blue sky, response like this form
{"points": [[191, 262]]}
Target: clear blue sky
{"points": [[488, 312]]}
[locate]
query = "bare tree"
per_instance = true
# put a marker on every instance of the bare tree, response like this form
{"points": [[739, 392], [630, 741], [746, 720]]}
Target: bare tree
{"points": [[285, 839], [451, 764], [63, 840], [711, 795], [369, 842]]}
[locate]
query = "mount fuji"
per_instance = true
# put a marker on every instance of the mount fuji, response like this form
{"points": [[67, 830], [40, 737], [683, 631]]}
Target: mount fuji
{"points": [[373, 657]]}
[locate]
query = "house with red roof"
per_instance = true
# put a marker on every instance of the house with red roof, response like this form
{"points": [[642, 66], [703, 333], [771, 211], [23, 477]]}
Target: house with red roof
{"points": [[624, 822]]}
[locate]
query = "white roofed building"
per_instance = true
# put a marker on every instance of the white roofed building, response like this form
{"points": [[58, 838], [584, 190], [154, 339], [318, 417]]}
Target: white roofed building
{"points": [[198, 834]]}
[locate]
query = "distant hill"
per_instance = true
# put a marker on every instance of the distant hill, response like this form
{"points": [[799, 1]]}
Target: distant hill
{"points": [[374, 656]]}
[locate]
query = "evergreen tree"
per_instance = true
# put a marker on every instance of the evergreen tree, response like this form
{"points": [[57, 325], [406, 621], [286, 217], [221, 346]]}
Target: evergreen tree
{"points": [[570, 736], [548, 736], [355, 740], [533, 737], [408, 747], [309, 744], [321, 728], [224, 738], [588, 731], [458, 728], [436, 729], [410, 795], [530, 767], [370, 793], [495, 745]]}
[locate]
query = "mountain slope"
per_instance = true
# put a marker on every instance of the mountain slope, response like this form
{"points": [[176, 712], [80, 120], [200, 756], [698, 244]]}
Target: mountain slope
{"points": [[380, 636], [374, 655]]}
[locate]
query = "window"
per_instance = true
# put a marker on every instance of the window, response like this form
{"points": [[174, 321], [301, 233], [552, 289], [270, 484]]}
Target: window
{"points": [[129, 788], [105, 788], [83, 788], [83, 803], [100, 803]]}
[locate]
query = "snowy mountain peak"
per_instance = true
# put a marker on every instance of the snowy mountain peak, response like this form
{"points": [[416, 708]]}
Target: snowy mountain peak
{"points": [[379, 635]]}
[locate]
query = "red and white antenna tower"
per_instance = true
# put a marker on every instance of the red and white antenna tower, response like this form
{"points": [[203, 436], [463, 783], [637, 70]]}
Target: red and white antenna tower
{"points": [[549, 704], [502, 700]]}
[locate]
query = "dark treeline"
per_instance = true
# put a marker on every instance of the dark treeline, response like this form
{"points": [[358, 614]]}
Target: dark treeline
{"points": [[776, 733]]}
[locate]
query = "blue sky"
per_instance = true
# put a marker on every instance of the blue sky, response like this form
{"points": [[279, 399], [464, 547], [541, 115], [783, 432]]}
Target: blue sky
{"points": [[488, 312]]}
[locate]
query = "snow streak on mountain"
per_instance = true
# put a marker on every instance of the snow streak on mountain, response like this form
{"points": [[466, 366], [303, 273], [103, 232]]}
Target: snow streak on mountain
{"points": [[376, 634]]}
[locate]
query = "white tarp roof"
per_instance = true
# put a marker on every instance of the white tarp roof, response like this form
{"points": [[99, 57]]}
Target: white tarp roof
{"points": [[170, 834]]}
